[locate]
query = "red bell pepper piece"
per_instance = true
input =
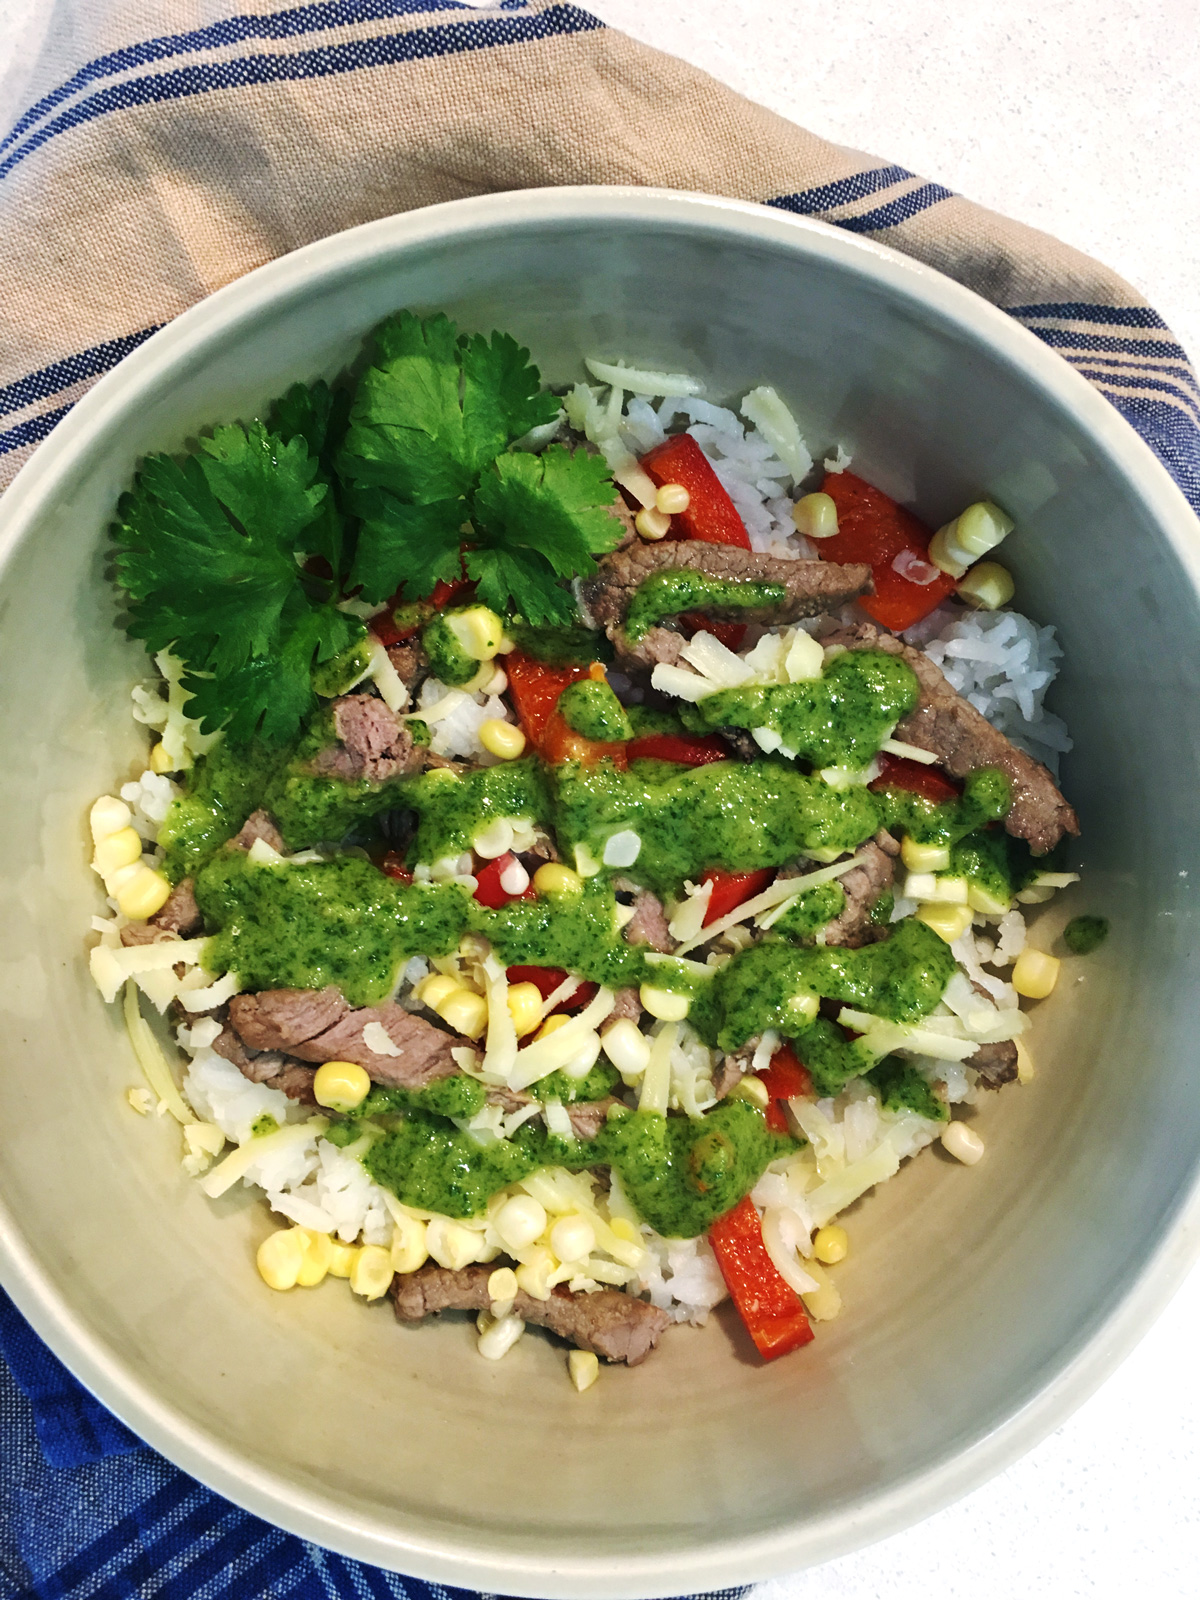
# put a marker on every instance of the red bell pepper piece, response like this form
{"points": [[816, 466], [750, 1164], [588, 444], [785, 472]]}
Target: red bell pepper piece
{"points": [[384, 627], [773, 1312], [535, 690], [560, 742], [490, 892], [393, 865], [547, 980], [874, 529], [685, 750], [711, 515], [897, 772], [730, 634], [786, 1078], [731, 889]]}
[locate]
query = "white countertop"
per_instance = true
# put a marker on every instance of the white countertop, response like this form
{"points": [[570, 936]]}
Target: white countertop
{"points": [[1082, 118]]}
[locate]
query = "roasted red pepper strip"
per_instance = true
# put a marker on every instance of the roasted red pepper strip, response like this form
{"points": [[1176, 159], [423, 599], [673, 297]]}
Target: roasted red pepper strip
{"points": [[681, 748], [897, 772], [535, 690], [786, 1078], [731, 634], [384, 625], [730, 889], [547, 979], [393, 865], [874, 529], [490, 892], [773, 1312], [711, 515]]}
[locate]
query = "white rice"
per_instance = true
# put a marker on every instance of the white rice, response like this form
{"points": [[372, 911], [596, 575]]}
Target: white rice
{"points": [[457, 733]]}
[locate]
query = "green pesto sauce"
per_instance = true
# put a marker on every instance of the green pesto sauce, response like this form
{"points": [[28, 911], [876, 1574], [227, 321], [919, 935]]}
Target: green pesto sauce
{"points": [[665, 594], [837, 720], [737, 815], [902, 1088], [986, 797], [340, 921], [813, 909], [342, 671], [599, 1082], [881, 911], [427, 1162], [576, 931], [993, 859], [456, 1096], [561, 647], [448, 661], [1082, 935], [646, 720], [261, 1126], [452, 808], [832, 1059], [225, 788], [766, 986], [310, 808], [593, 710]]}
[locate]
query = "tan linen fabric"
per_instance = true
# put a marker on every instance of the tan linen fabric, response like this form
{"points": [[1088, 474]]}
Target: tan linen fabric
{"points": [[165, 147]]}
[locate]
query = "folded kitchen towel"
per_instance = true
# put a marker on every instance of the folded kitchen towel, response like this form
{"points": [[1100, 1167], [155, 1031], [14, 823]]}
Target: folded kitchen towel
{"points": [[154, 150]]}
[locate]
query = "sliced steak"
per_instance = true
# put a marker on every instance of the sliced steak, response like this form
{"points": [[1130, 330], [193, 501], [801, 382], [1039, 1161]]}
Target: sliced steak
{"points": [[607, 1322], [734, 1067], [589, 1116], [178, 918], [410, 661], [996, 1064], [811, 587], [648, 925], [627, 1003], [318, 1025], [870, 877], [259, 825], [963, 741], [268, 1067], [372, 743]]}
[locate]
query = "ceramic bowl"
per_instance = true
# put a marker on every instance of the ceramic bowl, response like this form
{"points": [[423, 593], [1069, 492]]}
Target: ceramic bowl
{"points": [[981, 1304]]}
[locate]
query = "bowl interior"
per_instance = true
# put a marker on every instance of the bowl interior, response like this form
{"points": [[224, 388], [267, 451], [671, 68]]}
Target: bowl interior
{"points": [[968, 1292]]}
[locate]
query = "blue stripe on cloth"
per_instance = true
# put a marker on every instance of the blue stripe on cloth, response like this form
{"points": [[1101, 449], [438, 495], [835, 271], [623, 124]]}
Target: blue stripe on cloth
{"points": [[1117, 380], [31, 432], [422, 44], [896, 211], [828, 196], [1082, 311], [61, 375], [288, 24], [1070, 339]]}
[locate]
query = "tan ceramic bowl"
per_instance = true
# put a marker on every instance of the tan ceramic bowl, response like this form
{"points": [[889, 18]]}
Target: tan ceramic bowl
{"points": [[981, 1305]]}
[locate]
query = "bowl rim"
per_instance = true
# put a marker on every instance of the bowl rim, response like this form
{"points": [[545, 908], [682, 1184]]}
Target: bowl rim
{"points": [[470, 1563]]}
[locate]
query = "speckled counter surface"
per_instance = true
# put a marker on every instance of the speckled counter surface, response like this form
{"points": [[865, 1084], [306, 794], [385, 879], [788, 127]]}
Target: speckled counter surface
{"points": [[1082, 118]]}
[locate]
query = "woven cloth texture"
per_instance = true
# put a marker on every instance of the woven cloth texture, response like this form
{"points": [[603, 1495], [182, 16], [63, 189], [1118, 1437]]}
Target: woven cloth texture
{"points": [[158, 149]]}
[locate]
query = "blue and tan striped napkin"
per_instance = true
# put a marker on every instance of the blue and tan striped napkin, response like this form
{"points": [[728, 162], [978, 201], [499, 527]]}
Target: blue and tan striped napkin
{"points": [[157, 149]]}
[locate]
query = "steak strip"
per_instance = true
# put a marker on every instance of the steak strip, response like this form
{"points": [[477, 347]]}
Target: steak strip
{"points": [[178, 918], [863, 885], [964, 741], [372, 743], [606, 1322]]}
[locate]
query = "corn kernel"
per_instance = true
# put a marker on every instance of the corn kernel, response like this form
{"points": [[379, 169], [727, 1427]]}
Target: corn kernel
{"points": [[534, 1274], [160, 759], [825, 1301], [652, 525], [982, 900], [500, 1336], [519, 1222], [145, 893], [672, 499], [524, 1007], [974, 532], [963, 1143], [117, 850], [987, 586], [815, 516], [753, 1090], [450, 1244], [479, 631], [924, 857], [502, 1285], [371, 1274], [433, 990], [665, 1004], [552, 1025], [1035, 973], [341, 1085], [943, 890], [572, 1238], [628, 1232], [627, 1047], [108, 815], [1025, 1072], [493, 841], [280, 1257], [410, 1244], [315, 1264], [584, 1368], [465, 1012], [341, 1258], [553, 878], [949, 922], [502, 739], [830, 1244]]}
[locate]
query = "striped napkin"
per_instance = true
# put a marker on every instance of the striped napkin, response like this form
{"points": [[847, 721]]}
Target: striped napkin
{"points": [[158, 149]]}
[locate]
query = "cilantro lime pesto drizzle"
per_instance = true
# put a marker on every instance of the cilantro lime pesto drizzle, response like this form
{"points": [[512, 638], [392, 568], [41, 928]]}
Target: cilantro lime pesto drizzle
{"points": [[666, 594]]}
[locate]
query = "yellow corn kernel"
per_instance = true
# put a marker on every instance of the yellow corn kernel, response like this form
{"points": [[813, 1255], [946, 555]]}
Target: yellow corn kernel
{"points": [[963, 1143], [672, 499], [815, 516], [830, 1244], [108, 815], [315, 1264], [753, 1090], [145, 893], [465, 1012], [552, 1025], [280, 1257], [584, 1368], [1035, 973], [519, 1221], [665, 1004], [117, 850], [949, 922], [371, 1274], [980, 899], [987, 586], [972, 534], [652, 524], [479, 631], [433, 990], [554, 878], [160, 761], [502, 1285], [533, 1275], [341, 1085], [924, 857], [524, 1007], [628, 1232], [824, 1302], [450, 1244], [410, 1244], [1025, 1072], [341, 1258], [572, 1238], [502, 739]]}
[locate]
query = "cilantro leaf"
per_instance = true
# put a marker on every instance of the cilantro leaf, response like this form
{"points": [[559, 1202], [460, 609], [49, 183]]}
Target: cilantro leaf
{"points": [[404, 547], [320, 416], [503, 574], [502, 396]]}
